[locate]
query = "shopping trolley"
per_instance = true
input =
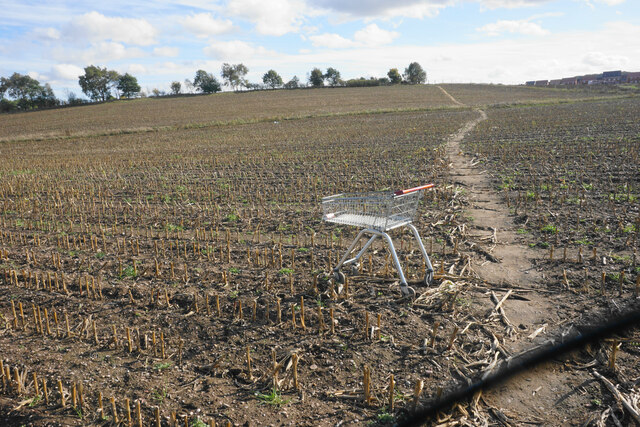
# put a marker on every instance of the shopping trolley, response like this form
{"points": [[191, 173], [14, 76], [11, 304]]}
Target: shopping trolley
{"points": [[377, 213]]}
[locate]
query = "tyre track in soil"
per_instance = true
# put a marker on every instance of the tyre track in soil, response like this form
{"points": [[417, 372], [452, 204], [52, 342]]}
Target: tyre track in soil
{"points": [[547, 394]]}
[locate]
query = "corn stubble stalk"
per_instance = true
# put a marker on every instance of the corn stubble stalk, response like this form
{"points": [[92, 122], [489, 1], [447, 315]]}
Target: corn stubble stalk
{"points": [[100, 407], [61, 391], [45, 392], [433, 334], [74, 396], [127, 407], [249, 364], [294, 359], [114, 411], [417, 391], [615, 346], [392, 385], [320, 320], [366, 383], [2, 374], [139, 413], [304, 327], [16, 375], [333, 322]]}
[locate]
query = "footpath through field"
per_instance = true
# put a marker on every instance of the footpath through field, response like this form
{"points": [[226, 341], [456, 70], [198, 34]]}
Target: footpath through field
{"points": [[546, 394]]}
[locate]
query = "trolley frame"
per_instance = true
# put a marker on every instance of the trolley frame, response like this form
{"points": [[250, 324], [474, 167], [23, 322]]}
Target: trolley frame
{"points": [[378, 212]]}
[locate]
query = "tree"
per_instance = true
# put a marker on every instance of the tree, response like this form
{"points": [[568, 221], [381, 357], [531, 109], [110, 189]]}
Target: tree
{"points": [[128, 85], [394, 76], [316, 78], [72, 99], [27, 93], [272, 79], [3, 87], [188, 85], [97, 82], [294, 83], [175, 88], [23, 88], [414, 74], [333, 76], [46, 97], [206, 82], [233, 75]]}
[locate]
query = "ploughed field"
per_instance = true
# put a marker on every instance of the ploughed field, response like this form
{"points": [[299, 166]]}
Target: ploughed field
{"points": [[570, 175], [165, 259]]}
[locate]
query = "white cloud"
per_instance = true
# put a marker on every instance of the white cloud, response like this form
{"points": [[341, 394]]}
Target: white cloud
{"points": [[66, 72], [614, 46], [94, 26], [604, 60], [109, 51], [332, 41], [274, 17], [382, 8], [609, 2], [166, 51], [234, 50], [137, 69], [36, 75], [46, 33], [204, 24], [513, 27], [510, 4], [371, 35], [374, 36], [96, 53]]}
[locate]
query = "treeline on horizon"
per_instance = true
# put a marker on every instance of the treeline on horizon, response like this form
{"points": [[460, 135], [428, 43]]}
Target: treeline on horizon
{"points": [[20, 92]]}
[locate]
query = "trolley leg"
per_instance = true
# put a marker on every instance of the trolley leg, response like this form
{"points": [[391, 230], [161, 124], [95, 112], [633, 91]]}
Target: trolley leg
{"points": [[404, 287], [362, 251], [353, 245], [429, 277]]}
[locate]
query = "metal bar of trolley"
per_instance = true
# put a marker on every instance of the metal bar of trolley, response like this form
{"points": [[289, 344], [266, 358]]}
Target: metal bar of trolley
{"points": [[377, 213]]}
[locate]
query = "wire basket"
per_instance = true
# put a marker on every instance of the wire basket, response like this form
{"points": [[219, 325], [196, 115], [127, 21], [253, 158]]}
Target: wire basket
{"points": [[382, 210]]}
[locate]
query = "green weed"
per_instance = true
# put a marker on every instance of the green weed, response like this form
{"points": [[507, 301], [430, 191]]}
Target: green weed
{"points": [[36, 399], [162, 366], [129, 271], [273, 398]]}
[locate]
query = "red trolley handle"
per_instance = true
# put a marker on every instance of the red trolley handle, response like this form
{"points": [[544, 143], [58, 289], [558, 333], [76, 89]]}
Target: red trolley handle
{"points": [[411, 190]]}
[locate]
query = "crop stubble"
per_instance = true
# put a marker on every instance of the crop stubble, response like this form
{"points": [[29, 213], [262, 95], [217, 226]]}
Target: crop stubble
{"points": [[162, 226]]}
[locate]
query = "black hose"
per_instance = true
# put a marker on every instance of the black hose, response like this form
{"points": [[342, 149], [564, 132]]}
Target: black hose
{"points": [[516, 366]]}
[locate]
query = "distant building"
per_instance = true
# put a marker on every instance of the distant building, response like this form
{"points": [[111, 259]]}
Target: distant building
{"points": [[607, 77], [569, 81], [590, 79], [612, 77], [633, 77]]}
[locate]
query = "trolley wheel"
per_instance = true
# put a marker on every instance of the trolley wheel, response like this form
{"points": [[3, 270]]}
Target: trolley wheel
{"points": [[408, 292], [355, 269], [338, 276], [428, 278]]}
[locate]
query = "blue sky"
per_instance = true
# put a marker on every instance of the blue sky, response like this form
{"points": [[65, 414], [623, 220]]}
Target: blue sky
{"points": [[482, 41]]}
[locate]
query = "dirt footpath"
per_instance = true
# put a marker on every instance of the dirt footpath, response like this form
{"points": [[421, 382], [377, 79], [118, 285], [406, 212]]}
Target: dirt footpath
{"points": [[548, 394]]}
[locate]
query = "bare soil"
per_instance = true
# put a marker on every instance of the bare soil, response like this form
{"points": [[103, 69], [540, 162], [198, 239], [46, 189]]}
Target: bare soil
{"points": [[182, 260], [553, 393]]}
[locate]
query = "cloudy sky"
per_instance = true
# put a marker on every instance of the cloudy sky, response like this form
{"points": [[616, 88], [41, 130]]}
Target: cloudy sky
{"points": [[498, 41]]}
